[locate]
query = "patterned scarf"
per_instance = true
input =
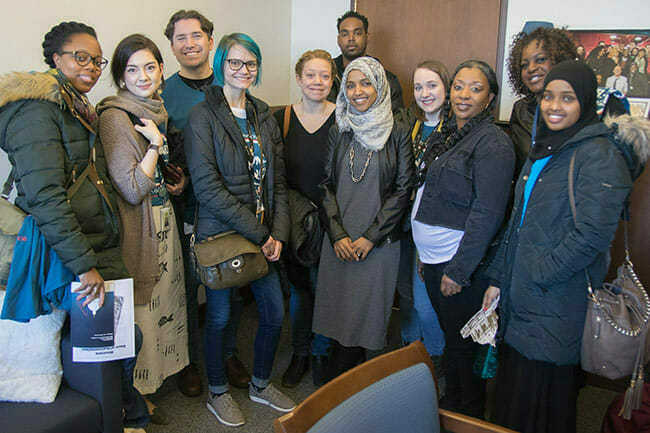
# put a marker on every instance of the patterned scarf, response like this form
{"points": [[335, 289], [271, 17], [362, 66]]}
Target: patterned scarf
{"points": [[80, 101]]}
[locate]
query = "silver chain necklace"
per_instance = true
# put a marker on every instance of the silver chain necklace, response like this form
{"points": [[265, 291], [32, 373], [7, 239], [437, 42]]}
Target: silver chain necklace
{"points": [[365, 167]]}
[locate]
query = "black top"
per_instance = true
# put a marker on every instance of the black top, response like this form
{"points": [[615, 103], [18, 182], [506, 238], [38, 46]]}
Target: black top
{"points": [[197, 84], [304, 155]]}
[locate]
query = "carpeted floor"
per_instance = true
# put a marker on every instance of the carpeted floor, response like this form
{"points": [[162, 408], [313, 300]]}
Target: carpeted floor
{"points": [[191, 415]]}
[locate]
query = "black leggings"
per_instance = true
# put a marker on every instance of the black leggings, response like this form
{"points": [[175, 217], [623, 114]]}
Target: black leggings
{"points": [[465, 392]]}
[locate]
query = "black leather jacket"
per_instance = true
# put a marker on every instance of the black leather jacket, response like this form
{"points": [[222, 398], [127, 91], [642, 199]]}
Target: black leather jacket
{"points": [[218, 164], [396, 174], [468, 188]]}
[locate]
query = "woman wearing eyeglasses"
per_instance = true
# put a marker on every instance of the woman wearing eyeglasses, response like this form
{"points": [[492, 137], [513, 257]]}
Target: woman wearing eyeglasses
{"points": [[47, 128], [234, 152]]}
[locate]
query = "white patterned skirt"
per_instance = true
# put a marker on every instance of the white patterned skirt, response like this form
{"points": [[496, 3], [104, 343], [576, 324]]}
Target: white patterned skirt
{"points": [[163, 320]]}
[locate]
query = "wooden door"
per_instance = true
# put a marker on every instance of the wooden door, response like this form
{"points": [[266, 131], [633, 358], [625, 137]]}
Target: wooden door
{"points": [[404, 33]]}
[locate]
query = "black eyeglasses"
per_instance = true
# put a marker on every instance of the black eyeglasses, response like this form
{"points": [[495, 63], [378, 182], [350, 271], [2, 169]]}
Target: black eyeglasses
{"points": [[236, 64], [83, 58]]}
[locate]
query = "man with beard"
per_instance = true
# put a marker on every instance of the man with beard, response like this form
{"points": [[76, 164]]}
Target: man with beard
{"points": [[352, 40], [190, 35]]}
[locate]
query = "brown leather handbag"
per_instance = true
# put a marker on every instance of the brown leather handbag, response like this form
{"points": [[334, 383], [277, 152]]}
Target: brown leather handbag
{"points": [[228, 260], [614, 341]]}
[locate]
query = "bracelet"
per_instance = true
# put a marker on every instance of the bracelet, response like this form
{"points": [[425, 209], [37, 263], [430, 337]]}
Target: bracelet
{"points": [[153, 147]]}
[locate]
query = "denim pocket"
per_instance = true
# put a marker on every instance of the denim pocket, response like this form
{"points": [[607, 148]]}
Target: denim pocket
{"points": [[457, 181]]}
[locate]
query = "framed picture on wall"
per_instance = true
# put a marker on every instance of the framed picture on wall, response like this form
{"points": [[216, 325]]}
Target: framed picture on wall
{"points": [[640, 107], [619, 58]]}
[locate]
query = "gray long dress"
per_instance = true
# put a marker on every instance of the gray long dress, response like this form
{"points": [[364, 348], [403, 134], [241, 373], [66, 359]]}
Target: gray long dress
{"points": [[354, 300]]}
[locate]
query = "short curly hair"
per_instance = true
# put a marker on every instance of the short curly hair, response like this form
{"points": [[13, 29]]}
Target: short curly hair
{"points": [[557, 43], [59, 35]]}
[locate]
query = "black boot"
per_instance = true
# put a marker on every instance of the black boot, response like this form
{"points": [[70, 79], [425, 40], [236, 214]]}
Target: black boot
{"points": [[343, 359], [319, 369], [296, 370]]}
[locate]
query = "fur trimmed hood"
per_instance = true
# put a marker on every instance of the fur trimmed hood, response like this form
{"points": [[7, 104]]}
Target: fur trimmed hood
{"points": [[29, 85], [632, 136]]}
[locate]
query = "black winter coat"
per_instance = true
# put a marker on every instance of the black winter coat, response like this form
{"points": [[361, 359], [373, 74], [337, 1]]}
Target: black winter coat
{"points": [[217, 161], [540, 263], [48, 146], [396, 175]]}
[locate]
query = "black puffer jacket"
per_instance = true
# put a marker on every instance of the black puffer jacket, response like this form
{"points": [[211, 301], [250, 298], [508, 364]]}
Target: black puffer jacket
{"points": [[45, 143], [540, 263], [396, 175], [217, 161]]}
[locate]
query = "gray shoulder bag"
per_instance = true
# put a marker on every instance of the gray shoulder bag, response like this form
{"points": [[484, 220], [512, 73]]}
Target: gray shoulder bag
{"points": [[614, 340]]}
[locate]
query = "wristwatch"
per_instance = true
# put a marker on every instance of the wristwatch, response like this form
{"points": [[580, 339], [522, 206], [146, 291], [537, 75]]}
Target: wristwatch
{"points": [[153, 147]]}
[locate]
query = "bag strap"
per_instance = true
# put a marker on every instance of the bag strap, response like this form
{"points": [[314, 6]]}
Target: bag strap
{"points": [[90, 172], [572, 202], [287, 118], [628, 262], [8, 185]]}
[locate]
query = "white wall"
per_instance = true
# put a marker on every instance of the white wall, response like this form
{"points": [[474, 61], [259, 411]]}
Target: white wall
{"points": [[268, 22], [313, 25], [577, 15]]}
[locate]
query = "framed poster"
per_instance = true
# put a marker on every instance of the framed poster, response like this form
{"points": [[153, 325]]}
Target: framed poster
{"points": [[619, 58]]}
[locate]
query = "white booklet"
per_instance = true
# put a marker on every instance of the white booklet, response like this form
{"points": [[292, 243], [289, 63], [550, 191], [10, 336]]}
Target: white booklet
{"points": [[106, 333]]}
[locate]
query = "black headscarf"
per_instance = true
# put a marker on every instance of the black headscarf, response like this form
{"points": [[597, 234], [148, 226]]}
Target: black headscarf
{"points": [[582, 79]]}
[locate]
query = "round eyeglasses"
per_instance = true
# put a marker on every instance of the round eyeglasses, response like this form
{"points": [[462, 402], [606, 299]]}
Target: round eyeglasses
{"points": [[236, 64], [83, 59]]}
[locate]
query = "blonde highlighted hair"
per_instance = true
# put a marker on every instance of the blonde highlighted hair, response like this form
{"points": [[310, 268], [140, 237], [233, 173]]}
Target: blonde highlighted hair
{"points": [[314, 54]]}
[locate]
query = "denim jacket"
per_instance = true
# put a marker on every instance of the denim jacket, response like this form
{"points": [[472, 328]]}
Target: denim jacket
{"points": [[467, 188]]}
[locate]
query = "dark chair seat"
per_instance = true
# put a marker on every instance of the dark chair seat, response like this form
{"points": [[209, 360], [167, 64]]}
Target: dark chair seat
{"points": [[62, 415]]}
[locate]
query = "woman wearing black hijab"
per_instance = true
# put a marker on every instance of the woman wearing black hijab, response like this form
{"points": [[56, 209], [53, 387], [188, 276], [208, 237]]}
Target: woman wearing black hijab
{"points": [[540, 267]]}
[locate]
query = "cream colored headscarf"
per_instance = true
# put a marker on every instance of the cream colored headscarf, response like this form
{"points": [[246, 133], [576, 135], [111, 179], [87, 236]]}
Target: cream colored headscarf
{"points": [[372, 127]]}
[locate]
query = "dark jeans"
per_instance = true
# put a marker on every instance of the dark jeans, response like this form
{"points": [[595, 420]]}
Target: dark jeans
{"points": [[465, 391], [301, 312], [270, 307], [136, 414]]}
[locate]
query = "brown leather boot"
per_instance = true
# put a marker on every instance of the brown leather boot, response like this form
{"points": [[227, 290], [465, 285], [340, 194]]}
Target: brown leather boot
{"points": [[189, 381], [236, 373]]}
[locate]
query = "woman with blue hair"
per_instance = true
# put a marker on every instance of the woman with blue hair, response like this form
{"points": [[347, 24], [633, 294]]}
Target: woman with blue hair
{"points": [[234, 152]]}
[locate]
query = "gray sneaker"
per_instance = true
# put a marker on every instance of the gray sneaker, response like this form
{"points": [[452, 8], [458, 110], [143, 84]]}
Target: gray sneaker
{"points": [[226, 410], [271, 396]]}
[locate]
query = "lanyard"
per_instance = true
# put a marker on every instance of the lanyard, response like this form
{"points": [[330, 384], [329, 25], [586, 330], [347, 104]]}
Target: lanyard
{"points": [[532, 138]]}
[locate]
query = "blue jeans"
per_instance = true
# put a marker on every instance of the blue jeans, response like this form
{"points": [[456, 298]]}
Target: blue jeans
{"points": [[136, 414], [301, 312], [192, 283], [431, 333], [409, 320], [268, 297]]}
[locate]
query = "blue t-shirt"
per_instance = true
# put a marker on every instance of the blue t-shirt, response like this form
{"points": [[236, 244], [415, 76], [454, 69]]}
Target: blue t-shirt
{"points": [[179, 98], [535, 170]]}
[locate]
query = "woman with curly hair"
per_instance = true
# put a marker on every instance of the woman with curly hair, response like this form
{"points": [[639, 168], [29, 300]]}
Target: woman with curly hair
{"points": [[532, 55]]}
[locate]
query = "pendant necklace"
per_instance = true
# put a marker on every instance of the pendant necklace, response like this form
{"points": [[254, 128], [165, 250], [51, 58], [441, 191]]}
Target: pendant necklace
{"points": [[365, 167]]}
